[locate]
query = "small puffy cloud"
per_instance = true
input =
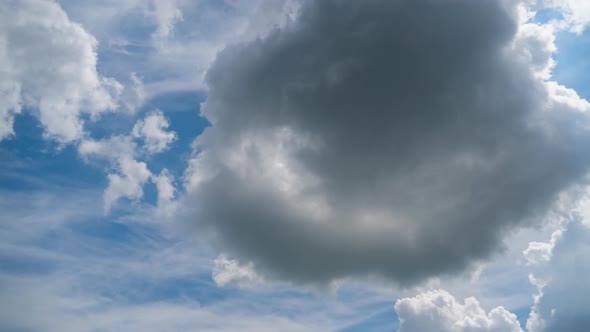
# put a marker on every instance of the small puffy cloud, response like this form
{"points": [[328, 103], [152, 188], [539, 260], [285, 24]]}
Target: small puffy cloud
{"points": [[230, 272], [49, 66], [540, 252], [440, 311], [152, 130], [127, 183]]}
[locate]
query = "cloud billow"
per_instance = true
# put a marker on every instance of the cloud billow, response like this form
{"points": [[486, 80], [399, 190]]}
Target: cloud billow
{"points": [[396, 138]]}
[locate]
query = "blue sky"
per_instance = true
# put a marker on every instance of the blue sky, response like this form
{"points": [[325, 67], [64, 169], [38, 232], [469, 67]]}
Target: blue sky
{"points": [[90, 237]]}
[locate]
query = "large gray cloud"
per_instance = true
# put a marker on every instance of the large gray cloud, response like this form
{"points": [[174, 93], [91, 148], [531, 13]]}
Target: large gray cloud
{"points": [[397, 138]]}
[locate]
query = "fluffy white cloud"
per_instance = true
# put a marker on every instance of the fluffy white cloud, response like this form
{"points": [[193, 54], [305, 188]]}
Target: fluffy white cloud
{"points": [[439, 311], [152, 130], [535, 44], [48, 65], [231, 272], [129, 182], [576, 13], [127, 177], [540, 252], [562, 96]]}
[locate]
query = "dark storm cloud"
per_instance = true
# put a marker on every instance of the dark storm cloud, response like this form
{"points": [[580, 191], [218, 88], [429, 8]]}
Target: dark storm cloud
{"points": [[398, 138]]}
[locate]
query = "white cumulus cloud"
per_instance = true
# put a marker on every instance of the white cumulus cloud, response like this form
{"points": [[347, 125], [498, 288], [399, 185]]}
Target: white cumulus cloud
{"points": [[231, 272], [440, 311], [128, 183], [576, 13], [541, 252], [153, 131], [127, 174], [48, 65]]}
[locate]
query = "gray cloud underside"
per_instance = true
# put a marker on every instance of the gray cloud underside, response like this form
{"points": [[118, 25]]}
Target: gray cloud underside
{"points": [[406, 136]]}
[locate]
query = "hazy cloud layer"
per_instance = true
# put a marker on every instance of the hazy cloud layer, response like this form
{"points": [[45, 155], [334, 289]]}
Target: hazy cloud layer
{"points": [[400, 138]]}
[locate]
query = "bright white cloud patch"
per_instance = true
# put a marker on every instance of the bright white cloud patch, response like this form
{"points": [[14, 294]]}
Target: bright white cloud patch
{"points": [[231, 272], [540, 252], [48, 65], [128, 183], [535, 43], [576, 13], [128, 175], [153, 131], [562, 96], [439, 311]]}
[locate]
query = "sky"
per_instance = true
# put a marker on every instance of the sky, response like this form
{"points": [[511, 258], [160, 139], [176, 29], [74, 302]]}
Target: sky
{"points": [[294, 165]]}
